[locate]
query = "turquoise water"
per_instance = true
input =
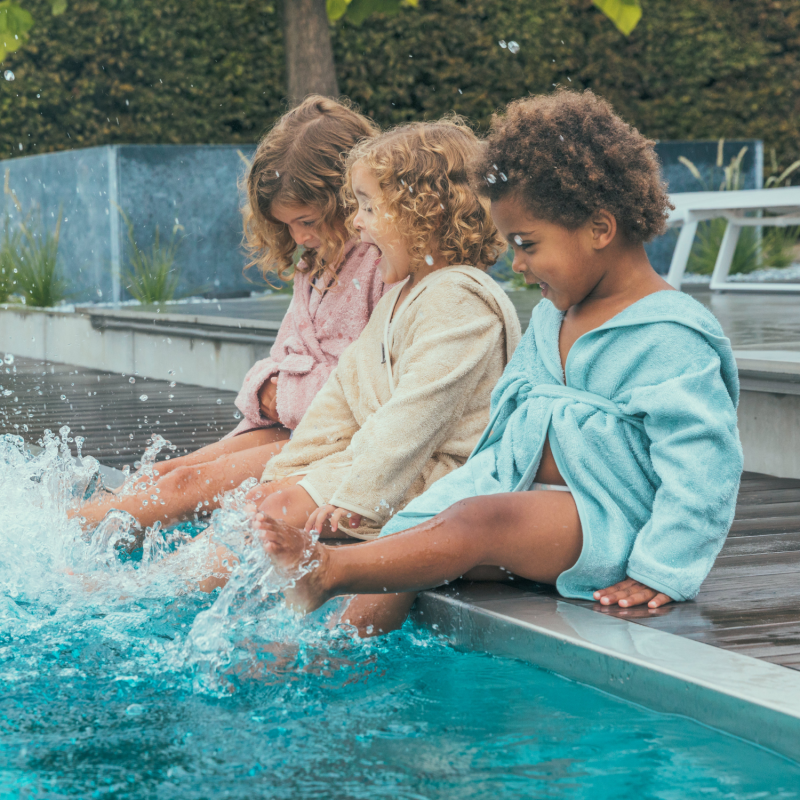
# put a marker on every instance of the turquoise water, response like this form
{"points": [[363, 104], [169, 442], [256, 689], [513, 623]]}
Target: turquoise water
{"points": [[123, 687]]}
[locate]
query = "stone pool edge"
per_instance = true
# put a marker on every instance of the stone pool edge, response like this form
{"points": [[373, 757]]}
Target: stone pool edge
{"points": [[755, 700]]}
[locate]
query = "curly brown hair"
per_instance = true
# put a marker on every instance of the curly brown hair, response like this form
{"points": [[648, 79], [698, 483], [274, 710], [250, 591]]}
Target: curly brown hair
{"points": [[300, 161], [568, 155], [423, 172]]}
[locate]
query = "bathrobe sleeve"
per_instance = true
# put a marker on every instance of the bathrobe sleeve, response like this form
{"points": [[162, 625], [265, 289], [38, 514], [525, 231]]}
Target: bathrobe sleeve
{"points": [[247, 400], [329, 429], [440, 365], [690, 420]]}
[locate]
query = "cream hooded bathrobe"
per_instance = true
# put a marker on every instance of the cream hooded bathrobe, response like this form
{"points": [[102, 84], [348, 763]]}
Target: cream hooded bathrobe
{"points": [[408, 400]]}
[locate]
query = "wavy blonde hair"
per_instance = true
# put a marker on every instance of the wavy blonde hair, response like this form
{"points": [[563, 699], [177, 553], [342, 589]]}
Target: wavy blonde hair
{"points": [[300, 161], [423, 172]]}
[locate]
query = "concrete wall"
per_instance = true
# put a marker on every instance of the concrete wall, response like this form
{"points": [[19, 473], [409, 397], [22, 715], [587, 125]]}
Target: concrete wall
{"points": [[69, 338], [768, 426], [194, 186]]}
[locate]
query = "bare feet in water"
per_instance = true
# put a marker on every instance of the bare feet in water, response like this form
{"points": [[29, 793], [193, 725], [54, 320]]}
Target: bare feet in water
{"points": [[292, 549]]}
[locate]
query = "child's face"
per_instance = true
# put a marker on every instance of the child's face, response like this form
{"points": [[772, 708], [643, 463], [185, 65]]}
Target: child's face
{"points": [[376, 228], [302, 222], [560, 260]]}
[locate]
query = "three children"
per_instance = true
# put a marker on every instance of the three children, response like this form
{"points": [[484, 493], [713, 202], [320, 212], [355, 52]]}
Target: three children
{"points": [[611, 463]]}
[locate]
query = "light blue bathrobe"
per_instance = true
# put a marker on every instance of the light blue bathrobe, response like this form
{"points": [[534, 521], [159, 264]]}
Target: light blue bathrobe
{"points": [[643, 432]]}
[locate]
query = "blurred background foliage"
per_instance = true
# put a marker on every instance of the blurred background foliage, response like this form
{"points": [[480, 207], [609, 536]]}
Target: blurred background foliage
{"points": [[212, 71]]}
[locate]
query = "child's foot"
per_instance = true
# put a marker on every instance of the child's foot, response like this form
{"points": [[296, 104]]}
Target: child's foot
{"points": [[291, 549]]}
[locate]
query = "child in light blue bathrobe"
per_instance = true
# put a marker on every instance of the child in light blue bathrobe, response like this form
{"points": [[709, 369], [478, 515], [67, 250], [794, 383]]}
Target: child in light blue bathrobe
{"points": [[611, 462]]}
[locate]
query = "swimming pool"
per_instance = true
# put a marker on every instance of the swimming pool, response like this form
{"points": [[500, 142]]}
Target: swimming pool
{"points": [[128, 694]]}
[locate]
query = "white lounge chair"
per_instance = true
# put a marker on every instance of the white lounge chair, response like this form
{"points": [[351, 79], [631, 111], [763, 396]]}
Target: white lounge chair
{"points": [[694, 207]]}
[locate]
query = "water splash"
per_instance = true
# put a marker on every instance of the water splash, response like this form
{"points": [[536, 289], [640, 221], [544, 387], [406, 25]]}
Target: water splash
{"points": [[59, 583]]}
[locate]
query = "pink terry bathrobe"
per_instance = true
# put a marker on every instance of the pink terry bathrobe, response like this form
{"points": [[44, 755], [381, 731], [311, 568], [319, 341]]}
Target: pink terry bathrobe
{"points": [[314, 333]]}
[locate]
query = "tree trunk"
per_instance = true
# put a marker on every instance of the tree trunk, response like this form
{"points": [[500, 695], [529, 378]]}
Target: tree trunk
{"points": [[309, 55]]}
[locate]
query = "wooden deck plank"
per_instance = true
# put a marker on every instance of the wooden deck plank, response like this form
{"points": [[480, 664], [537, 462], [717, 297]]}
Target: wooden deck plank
{"points": [[106, 409], [761, 543]]}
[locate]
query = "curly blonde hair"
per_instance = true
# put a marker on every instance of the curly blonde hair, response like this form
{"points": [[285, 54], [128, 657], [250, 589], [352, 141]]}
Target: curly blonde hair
{"points": [[423, 172], [300, 161]]}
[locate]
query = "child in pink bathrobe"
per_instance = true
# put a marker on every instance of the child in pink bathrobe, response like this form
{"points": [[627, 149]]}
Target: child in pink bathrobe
{"points": [[293, 190]]}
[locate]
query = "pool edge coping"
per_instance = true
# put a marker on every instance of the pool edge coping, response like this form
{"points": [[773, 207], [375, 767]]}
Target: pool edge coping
{"points": [[755, 700]]}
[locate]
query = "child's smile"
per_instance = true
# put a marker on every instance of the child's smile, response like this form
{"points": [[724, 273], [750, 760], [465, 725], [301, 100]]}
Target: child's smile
{"points": [[558, 259]]}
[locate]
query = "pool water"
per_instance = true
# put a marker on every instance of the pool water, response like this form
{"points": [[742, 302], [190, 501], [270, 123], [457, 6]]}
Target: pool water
{"points": [[115, 687]]}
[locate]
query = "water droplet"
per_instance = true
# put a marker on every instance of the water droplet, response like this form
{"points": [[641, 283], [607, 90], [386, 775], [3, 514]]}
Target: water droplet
{"points": [[429, 260], [491, 178], [130, 436], [502, 44], [237, 415], [143, 397], [63, 397], [9, 75], [134, 710], [518, 241], [131, 380], [503, 177], [172, 385], [169, 411], [219, 402], [356, 284], [513, 47], [9, 359], [561, 137], [171, 372]]}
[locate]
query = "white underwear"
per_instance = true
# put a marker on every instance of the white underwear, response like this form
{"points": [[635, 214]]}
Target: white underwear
{"points": [[549, 487]]}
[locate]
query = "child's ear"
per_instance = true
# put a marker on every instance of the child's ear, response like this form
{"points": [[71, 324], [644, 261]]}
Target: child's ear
{"points": [[604, 229]]}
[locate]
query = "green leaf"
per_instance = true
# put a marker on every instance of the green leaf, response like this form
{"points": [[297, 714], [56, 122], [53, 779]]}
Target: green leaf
{"points": [[58, 7], [336, 9], [359, 10], [625, 14], [15, 22]]}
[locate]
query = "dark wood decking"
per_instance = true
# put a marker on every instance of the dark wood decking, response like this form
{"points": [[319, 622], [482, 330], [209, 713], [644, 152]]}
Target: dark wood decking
{"points": [[750, 602], [107, 410]]}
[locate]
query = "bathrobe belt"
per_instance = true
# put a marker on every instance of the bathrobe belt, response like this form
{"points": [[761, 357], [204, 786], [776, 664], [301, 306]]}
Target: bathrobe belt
{"points": [[521, 386]]}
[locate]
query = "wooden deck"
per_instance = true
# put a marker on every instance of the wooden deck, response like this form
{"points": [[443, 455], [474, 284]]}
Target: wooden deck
{"points": [[107, 410], [750, 602]]}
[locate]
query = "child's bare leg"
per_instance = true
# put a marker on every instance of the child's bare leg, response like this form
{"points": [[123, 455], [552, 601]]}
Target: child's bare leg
{"points": [[374, 614], [224, 447], [283, 500], [181, 490], [536, 535]]}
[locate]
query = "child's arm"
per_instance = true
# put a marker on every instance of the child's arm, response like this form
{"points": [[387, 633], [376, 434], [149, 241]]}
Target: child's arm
{"points": [[259, 376], [695, 451], [443, 363], [326, 429]]}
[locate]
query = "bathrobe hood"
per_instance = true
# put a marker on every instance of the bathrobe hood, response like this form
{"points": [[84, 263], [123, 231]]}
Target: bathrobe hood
{"points": [[643, 430]]}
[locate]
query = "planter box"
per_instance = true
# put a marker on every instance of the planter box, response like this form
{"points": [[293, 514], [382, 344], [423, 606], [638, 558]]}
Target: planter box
{"points": [[194, 186]]}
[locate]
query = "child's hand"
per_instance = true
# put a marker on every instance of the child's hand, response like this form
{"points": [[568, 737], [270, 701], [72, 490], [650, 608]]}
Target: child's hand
{"points": [[268, 399], [629, 593], [318, 518]]}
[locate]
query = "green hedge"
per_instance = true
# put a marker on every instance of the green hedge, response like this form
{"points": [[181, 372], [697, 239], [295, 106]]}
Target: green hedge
{"points": [[183, 71]]}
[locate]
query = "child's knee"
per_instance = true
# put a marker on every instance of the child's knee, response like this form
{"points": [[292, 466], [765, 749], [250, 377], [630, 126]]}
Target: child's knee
{"points": [[477, 513], [180, 479], [287, 503]]}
